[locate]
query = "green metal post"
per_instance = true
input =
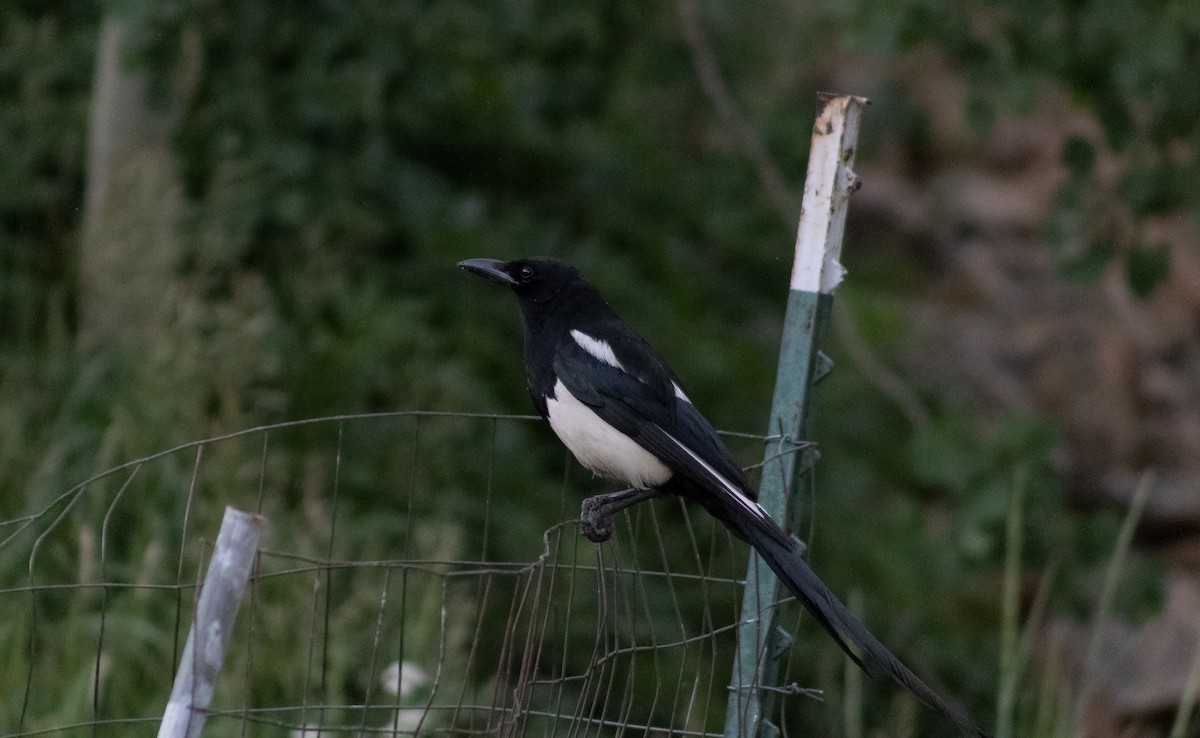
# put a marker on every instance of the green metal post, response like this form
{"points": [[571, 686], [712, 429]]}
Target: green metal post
{"points": [[815, 273]]}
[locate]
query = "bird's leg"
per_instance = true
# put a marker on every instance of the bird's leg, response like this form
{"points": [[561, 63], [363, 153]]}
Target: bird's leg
{"points": [[595, 517]]}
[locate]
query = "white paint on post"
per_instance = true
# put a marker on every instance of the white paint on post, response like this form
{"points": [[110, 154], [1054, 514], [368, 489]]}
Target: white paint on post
{"points": [[228, 572], [827, 188]]}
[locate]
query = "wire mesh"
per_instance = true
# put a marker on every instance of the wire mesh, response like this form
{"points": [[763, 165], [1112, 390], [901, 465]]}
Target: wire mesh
{"points": [[416, 578]]}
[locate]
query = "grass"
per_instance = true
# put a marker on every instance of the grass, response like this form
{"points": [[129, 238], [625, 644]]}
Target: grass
{"points": [[1059, 707], [350, 582], [369, 519]]}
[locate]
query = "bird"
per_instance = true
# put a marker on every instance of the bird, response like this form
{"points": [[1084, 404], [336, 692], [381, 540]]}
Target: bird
{"points": [[623, 414]]}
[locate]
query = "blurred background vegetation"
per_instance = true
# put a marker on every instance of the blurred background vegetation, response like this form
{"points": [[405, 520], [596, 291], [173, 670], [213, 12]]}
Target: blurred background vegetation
{"points": [[216, 215]]}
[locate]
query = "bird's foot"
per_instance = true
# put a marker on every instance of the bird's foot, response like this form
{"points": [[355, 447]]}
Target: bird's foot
{"points": [[595, 519]]}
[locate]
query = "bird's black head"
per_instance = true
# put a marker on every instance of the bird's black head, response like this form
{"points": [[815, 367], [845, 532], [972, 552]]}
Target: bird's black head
{"points": [[536, 280]]}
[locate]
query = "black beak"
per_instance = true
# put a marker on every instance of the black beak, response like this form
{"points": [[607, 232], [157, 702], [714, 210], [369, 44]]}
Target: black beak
{"points": [[492, 269]]}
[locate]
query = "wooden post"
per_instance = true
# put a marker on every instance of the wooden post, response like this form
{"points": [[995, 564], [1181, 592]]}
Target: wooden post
{"points": [[228, 571], [815, 273]]}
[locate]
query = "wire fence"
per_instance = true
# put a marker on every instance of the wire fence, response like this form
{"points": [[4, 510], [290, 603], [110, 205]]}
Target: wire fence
{"points": [[416, 577]]}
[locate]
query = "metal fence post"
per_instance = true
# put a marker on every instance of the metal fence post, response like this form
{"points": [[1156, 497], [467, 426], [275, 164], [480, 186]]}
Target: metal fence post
{"points": [[815, 273]]}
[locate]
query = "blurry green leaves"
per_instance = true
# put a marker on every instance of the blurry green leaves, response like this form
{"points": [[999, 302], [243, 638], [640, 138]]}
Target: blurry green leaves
{"points": [[1079, 156], [1124, 61], [945, 455], [1088, 264], [1148, 190], [1089, 224], [1147, 267], [352, 157], [338, 159], [1115, 118], [45, 79], [949, 454], [1129, 66]]}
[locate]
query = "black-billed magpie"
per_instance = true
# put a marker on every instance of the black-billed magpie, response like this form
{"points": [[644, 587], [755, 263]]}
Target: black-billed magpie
{"points": [[622, 413]]}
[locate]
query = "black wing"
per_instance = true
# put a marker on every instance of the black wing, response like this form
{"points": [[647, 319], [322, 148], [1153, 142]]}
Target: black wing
{"points": [[642, 399]]}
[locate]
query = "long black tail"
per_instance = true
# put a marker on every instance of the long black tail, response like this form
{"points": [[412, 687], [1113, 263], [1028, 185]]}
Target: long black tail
{"points": [[777, 549]]}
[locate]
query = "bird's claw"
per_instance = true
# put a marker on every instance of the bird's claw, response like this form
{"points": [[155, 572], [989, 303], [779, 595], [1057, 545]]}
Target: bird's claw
{"points": [[595, 520]]}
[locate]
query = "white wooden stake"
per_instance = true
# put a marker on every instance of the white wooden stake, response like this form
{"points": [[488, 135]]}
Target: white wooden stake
{"points": [[228, 572]]}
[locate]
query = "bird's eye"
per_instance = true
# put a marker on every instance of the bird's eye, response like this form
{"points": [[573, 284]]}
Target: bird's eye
{"points": [[526, 273]]}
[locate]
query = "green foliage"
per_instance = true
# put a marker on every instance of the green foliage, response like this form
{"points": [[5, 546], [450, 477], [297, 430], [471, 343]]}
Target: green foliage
{"points": [[1122, 62], [46, 52], [1147, 267], [337, 159]]}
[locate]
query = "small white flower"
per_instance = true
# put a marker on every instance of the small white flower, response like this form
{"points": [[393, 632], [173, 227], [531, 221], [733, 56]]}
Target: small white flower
{"points": [[404, 679]]}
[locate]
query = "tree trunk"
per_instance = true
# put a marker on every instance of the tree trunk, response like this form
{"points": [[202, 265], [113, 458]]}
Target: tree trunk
{"points": [[132, 204]]}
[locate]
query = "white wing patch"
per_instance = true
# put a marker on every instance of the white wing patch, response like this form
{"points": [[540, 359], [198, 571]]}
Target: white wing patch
{"points": [[597, 348], [734, 491], [600, 349]]}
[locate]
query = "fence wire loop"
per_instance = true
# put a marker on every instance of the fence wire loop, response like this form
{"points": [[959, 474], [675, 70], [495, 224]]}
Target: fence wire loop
{"points": [[406, 585]]}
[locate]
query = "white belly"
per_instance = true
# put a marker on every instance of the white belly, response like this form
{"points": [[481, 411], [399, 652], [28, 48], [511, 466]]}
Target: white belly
{"points": [[600, 447]]}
